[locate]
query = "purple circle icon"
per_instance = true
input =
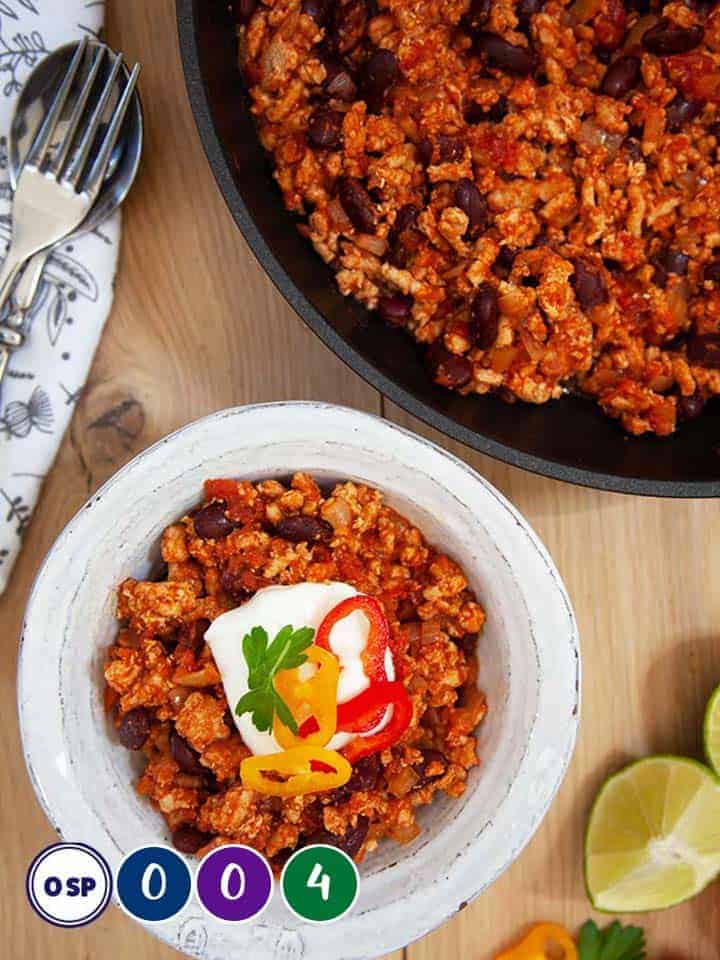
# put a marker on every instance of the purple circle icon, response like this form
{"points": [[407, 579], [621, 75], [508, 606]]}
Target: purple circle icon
{"points": [[234, 883]]}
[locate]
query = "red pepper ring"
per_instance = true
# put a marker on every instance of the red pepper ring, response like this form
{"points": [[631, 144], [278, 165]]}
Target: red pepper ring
{"points": [[373, 656], [380, 696]]}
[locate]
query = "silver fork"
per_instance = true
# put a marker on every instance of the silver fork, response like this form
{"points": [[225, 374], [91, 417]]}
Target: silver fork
{"points": [[57, 187]]}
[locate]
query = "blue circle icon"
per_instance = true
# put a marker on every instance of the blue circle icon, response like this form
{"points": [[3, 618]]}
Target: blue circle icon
{"points": [[153, 883], [69, 884]]}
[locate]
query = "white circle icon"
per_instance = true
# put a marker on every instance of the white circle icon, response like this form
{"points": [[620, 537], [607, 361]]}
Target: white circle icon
{"points": [[69, 884]]}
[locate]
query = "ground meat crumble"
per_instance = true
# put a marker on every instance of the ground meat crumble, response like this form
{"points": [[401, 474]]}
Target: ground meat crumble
{"points": [[529, 187], [165, 696]]}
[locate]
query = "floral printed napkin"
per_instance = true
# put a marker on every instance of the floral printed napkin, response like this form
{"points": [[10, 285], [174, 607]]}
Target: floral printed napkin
{"points": [[47, 375]]}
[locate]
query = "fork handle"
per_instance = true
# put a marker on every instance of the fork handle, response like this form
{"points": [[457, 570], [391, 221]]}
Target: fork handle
{"points": [[10, 269]]}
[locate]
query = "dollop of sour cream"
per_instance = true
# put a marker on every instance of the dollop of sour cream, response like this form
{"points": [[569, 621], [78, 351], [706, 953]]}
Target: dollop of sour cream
{"points": [[302, 605]]}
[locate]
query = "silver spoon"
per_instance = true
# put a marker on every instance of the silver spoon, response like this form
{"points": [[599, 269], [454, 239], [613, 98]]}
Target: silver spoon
{"points": [[38, 92]]}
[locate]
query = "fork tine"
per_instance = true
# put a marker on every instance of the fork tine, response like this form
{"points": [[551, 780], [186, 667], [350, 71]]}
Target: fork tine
{"points": [[95, 177], [44, 136], [61, 155], [77, 165]]}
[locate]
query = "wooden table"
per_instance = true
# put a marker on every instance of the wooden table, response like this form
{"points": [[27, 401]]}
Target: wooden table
{"points": [[198, 326]]}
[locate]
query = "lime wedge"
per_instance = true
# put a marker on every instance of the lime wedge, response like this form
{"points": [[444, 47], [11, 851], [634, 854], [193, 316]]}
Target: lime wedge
{"points": [[711, 731], [653, 838]]}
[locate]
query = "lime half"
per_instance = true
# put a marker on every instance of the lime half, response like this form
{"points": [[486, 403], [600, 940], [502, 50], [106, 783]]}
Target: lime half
{"points": [[654, 835], [712, 732]]}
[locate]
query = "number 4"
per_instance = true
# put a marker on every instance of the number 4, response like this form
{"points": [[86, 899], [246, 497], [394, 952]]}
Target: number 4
{"points": [[319, 880]]}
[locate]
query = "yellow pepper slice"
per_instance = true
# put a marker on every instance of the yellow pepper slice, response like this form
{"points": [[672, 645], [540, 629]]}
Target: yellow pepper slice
{"points": [[294, 772], [312, 702], [542, 943]]}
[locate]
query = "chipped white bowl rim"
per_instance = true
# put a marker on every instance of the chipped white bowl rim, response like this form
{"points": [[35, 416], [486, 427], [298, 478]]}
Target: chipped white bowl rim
{"points": [[406, 891]]}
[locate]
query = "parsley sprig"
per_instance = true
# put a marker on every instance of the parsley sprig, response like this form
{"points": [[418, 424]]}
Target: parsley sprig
{"points": [[264, 661], [615, 942]]}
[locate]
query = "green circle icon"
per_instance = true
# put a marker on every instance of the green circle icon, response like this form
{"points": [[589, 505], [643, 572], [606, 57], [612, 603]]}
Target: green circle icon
{"points": [[320, 883]]}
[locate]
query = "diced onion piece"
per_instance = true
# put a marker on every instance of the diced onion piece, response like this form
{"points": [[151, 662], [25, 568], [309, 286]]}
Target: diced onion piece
{"points": [[376, 245]]}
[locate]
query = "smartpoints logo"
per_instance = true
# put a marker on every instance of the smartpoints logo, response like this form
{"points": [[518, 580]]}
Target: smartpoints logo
{"points": [[69, 884]]}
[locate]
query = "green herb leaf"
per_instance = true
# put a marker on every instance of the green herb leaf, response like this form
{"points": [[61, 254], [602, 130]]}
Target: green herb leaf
{"points": [[265, 661], [614, 943]]}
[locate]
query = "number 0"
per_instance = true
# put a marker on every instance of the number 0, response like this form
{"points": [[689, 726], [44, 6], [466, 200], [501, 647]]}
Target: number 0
{"points": [[319, 881], [231, 870], [150, 871]]}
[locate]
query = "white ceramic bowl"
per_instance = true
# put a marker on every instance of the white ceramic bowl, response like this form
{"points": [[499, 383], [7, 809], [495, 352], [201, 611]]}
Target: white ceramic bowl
{"points": [[529, 669]]}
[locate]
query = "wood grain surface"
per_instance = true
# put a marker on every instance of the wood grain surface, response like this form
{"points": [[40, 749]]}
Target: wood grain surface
{"points": [[197, 326]]}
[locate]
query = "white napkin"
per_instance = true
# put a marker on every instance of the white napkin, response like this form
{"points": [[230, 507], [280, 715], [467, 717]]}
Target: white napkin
{"points": [[47, 375]]}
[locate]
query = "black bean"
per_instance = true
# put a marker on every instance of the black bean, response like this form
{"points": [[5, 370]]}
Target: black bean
{"points": [[681, 111], [433, 757], [703, 350], [301, 529], [504, 55], [349, 22], [448, 369], [406, 217], [339, 85], [211, 523], [350, 842], [325, 128], [425, 151], [244, 9], [317, 9], [476, 113], [589, 286], [183, 754], [366, 772], [711, 271], [189, 840], [450, 149], [669, 261], [666, 38], [380, 75], [395, 309], [134, 728], [468, 198], [690, 408], [621, 76], [485, 317], [504, 261], [357, 204]]}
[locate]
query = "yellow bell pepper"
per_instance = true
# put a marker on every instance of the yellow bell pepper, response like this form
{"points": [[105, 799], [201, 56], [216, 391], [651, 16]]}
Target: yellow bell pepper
{"points": [[542, 943], [312, 702], [294, 772]]}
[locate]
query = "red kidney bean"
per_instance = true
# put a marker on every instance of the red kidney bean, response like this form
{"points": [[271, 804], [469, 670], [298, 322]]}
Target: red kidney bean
{"points": [[364, 777], [503, 55], [425, 151], [339, 84], [183, 754], [405, 218], [394, 309], [450, 149], [504, 261], [211, 523], [703, 350], [189, 840], [681, 111], [429, 757], [485, 317], [325, 128], [589, 286], [134, 728], [348, 25], [380, 75], [666, 38], [357, 204], [448, 369], [468, 198], [690, 408], [301, 529], [621, 76], [669, 261], [350, 842], [711, 271]]}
